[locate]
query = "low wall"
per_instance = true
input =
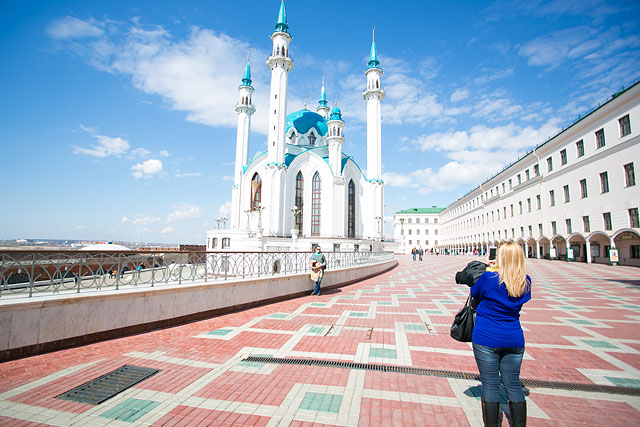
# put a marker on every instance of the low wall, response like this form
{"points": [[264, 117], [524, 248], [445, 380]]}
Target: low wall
{"points": [[41, 325]]}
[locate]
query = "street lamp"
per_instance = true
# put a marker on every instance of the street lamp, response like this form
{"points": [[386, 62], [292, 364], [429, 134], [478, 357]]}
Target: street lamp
{"points": [[218, 221], [248, 212], [259, 208], [379, 220], [224, 221]]}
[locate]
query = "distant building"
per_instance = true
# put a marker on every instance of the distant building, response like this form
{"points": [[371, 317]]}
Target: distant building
{"points": [[417, 227], [304, 190]]}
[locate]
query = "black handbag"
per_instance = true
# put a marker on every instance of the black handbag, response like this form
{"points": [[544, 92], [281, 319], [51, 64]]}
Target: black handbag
{"points": [[462, 327]]}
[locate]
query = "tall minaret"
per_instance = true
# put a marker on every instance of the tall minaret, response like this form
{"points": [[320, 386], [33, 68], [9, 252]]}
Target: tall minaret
{"points": [[280, 64], [335, 139], [245, 109], [323, 105], [373, 95], [373, 220]]}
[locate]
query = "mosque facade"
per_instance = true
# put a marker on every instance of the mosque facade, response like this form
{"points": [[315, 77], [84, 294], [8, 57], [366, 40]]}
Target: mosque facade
{"points": [[304, 190]]}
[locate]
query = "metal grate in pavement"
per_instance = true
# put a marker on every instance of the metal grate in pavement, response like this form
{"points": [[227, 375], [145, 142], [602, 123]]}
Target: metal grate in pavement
{"points": [[448, 374], [108, 385]]}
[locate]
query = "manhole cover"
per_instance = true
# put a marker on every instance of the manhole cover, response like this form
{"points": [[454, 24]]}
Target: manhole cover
{"points": [[108, 385]]}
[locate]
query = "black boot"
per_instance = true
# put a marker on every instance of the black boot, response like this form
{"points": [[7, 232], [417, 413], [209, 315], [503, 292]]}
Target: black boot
{"points": [[518, 413], [490, 413]]}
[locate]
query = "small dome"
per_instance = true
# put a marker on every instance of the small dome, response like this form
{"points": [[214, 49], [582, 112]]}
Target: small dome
{"points": [[336, 114], [302, 121]]}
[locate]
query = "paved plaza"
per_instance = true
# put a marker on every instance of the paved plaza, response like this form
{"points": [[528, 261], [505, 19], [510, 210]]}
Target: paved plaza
{"points": [[581, 326]]}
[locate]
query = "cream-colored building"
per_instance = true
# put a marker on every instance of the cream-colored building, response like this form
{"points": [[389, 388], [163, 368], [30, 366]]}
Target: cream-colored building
{"points": [[417, 227], [575, 195]]}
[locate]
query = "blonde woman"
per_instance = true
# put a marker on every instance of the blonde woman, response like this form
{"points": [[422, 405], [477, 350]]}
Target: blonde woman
{"points": [[498, 340]]}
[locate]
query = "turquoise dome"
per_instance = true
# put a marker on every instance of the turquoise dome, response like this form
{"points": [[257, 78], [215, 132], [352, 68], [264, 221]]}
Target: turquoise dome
{"points": [[336, 114], [302, 121]]}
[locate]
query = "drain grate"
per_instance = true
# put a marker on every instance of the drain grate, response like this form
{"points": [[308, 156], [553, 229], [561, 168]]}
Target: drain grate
{"points": [[108, 385], [442, 373]]}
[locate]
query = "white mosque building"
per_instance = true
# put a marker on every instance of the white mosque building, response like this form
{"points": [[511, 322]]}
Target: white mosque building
{"points": [[303, 190]]}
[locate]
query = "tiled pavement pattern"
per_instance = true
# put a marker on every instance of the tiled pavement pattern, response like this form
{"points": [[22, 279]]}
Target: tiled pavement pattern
{"points": [[582, 326]]}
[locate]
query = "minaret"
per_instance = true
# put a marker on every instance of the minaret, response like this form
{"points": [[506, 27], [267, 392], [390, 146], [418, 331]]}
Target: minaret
{"points": [[245, 109], [335, 139], [280, 64], [373, 95], [323, 106], [372, 221]]}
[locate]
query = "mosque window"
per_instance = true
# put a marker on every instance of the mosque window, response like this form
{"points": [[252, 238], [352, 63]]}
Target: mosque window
{"points": [[377, 84], [351, 211], [299, 201], [312, 139], [292, 138], [256, 191], [315, 204]]}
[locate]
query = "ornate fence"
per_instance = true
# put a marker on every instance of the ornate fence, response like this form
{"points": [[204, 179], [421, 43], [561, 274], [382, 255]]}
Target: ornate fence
{"points": [[24, 274]]}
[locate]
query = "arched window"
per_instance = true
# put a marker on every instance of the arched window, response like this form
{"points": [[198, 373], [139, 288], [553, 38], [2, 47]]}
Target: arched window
{"points": [[312, 139], [377, 84], [256, 191], [292, 138], [351, 211], [214, 243], [315, 204], [299, 201]]}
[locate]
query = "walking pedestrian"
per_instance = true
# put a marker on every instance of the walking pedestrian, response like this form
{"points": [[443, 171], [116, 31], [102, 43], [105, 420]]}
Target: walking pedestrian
{"points": [[318, 264], [498, 340], [420, 253], [414, 252]]}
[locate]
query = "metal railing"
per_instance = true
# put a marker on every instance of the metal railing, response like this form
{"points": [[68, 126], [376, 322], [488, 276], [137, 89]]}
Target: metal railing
{"points": [[24, 274]]}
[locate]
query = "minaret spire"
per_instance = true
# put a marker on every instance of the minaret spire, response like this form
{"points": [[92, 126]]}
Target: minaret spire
{"points": [[282, 25], [373, 56], [246, 80], [323, 105]]}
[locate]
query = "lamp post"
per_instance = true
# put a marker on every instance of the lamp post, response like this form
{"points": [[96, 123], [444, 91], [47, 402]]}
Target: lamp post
{"points": [[295, 230], [248, 212], [224, 220], [259, 209], [379, 221], [218, 221]]}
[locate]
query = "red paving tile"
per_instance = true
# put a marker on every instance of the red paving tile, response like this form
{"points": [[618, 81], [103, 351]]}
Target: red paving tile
{"points": [[415, 289]]}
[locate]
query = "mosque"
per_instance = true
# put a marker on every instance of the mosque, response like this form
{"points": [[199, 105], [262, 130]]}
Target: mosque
{"points": [[304, 190]]}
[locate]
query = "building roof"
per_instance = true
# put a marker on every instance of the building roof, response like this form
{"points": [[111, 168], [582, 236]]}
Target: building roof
{"points": [[105, 247], [302, 121], [431, 210]]}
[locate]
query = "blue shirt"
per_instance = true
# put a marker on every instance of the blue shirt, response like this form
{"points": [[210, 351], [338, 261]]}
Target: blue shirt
{"points": [[497, 315]]}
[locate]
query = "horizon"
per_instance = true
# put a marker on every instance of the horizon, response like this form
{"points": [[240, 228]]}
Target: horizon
{"points": [[119, 117]]}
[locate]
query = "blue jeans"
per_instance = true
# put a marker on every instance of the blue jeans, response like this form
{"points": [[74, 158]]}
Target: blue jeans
{"points": [[496, 363], [317, 288]]}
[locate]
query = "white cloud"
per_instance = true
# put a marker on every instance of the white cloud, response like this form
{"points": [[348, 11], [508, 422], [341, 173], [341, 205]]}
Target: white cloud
{"points": [[163, 153], [167, 230], [70, 28], [227, 178], [187, 174], [146, 168], [106, 146], [140, 152], [225, 209], [459, 95], [184, 211], [140, 220]]}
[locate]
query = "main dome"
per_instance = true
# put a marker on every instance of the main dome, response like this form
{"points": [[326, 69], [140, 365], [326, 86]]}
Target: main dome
{"points": [[302, 121]]}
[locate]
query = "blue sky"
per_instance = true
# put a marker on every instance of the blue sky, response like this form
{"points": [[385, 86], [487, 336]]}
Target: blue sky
{"points": [[117, 116]]}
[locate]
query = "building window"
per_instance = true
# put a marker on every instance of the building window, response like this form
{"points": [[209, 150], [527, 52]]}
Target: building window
{"points": [[607, 220], [256, 191], [586, 227], [510, 184], [538, 202], [315, 204], [418, 231], [600, 138], [351, 211], [503, 189], [417, 220], [563, 157], [635, 251], [629, 175], [417, 242], [552, 198], [409, 221], [526, 174], [580, 148], [214, 243], [604, 182], [566, 193], [536, 170], [540, 229], [530, 231], [549, 164], [504, 211], [519, 179], [568, 224], [410, 231], [511, 209], [426, 220], [583, 188], [426, 231], [410, 242], [312, 139], [625, 126], [513, 233], [226, 242], [521, 231], [633, 218], [298, 202], [520, 206], [435, 220], [528, 205], [435, 232], [553, 228]]}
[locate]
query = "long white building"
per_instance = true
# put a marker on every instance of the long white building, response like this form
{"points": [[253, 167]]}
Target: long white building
{"points": [[574, 196]]}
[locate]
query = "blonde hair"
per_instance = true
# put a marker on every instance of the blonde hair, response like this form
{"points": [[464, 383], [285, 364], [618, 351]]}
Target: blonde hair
{"points": [[511, 269]]}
